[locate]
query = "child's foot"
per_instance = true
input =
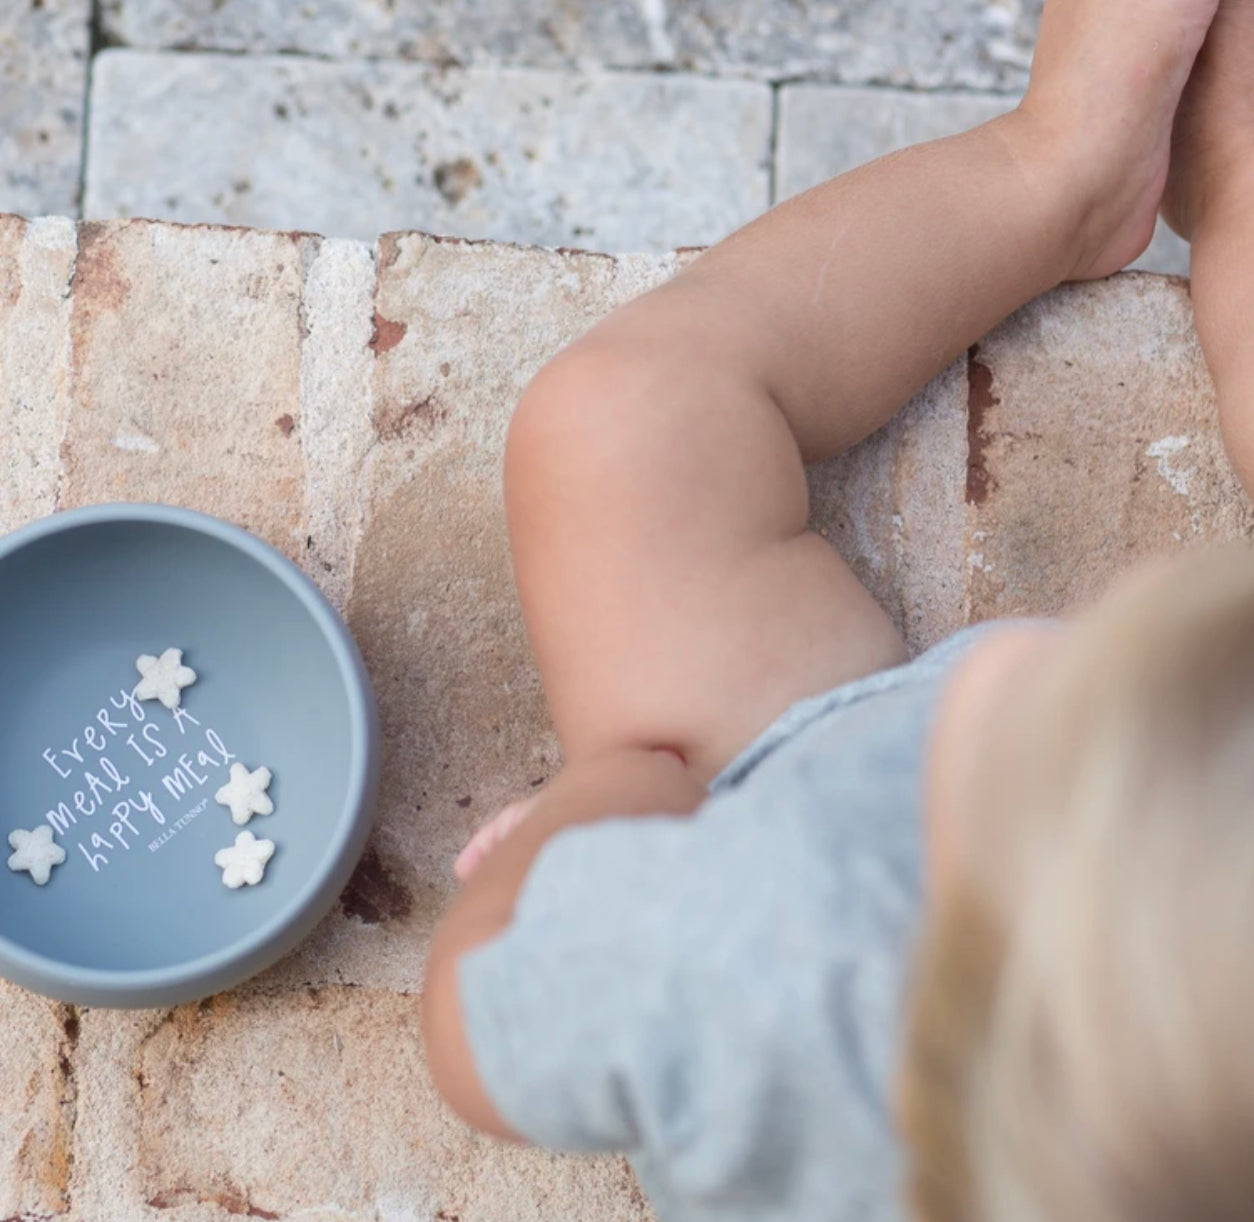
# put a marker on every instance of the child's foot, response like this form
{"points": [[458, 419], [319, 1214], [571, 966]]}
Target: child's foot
{"points": [[1106, 83], [1213, 144]]}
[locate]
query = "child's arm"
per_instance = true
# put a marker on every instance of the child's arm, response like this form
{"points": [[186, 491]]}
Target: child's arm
{"points": [[623, 783], [675, 597]]}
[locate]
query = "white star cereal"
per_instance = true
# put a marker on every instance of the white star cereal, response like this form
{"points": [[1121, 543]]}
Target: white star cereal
{"points": [[163, 678], [245, 861], [36, 852], [245, 794]]}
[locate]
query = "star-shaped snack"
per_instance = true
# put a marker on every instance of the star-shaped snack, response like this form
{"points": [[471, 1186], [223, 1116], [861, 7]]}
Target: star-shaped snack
{"points": [[36, 852], [245, 794], [164, 678], [245, 861]]}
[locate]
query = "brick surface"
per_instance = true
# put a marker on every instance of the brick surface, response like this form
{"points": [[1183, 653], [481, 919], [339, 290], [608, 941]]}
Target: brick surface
{"points": [[39, 1100], [186, 374], [43, 82], [1095, 443], [611, 161], [314, 1104], [974, 44], [335, 429], [36, 263], [359, 398], [825, 130], [459, 330], [893, 507]]}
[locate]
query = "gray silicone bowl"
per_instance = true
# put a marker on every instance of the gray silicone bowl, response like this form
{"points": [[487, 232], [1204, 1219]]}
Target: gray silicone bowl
{"points": [[141, 917]]}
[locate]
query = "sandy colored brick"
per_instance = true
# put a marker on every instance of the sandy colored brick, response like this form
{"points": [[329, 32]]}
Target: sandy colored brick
{"points": [[894, 508], [458, 331], [37, 1104], [311, 1104], [187, 373], [43, 85], [1094, 443], [607, 161], [36, 263], [335, 420]]}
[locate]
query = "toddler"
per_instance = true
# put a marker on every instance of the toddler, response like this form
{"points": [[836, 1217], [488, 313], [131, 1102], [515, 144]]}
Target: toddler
{"points": [[803, 921]]}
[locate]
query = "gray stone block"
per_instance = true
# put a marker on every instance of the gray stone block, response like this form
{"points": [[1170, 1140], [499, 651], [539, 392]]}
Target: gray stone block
{"points": [[919, 44], [607, 160], [43, 81], [546, 33], [1168, 255], [929, 44], [825, 130]]}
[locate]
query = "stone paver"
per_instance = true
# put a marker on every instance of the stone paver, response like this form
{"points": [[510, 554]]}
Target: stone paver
{"points": [[43, 83], [545, 33], [372, 388], [612, 161], [928, 44], [1094, 443], [922, 44], [315, 1104], [39, 1094], [825, 130]]}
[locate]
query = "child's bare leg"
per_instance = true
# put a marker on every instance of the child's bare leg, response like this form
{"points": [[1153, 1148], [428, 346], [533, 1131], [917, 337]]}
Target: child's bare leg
{"points": [[1210, 200], [654, 476]]}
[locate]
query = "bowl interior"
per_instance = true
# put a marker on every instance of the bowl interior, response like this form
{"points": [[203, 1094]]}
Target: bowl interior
{"points": [[139, 889]]}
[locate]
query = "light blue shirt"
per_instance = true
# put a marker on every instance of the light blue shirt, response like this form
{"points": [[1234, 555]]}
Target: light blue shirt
{"points": [[720, 996]]}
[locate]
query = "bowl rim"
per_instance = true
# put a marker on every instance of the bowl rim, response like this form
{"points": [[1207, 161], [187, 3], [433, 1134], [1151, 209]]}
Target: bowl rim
{"points": [[362, 778]]}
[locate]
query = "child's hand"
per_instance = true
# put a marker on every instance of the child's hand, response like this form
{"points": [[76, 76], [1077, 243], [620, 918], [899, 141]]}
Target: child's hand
{"points": [[485, 840]]}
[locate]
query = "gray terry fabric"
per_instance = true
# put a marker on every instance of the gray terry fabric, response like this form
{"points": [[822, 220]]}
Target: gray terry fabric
{"points": [[719, 996]]}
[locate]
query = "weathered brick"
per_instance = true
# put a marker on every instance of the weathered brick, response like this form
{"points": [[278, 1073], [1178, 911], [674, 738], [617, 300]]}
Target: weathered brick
{"points": [[458, 330], [39, 1097], [335, 424], [36, 263], [1094, 443], [894, 508], [314, 1103], [186, 373], [614, 161]]}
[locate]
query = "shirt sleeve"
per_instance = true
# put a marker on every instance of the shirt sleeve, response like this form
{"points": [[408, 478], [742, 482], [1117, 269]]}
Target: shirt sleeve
{"points": [[693, 991]]}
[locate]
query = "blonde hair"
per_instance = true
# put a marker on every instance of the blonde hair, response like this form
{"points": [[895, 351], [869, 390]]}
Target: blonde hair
{"points": [[1081, 1035]]}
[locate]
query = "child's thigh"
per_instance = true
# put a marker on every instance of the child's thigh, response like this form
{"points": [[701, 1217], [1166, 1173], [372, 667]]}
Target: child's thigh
{"points": [[674, 595]]}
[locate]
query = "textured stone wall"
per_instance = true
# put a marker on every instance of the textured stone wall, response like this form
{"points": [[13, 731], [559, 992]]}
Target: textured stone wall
{"points": [[348, 403]]}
